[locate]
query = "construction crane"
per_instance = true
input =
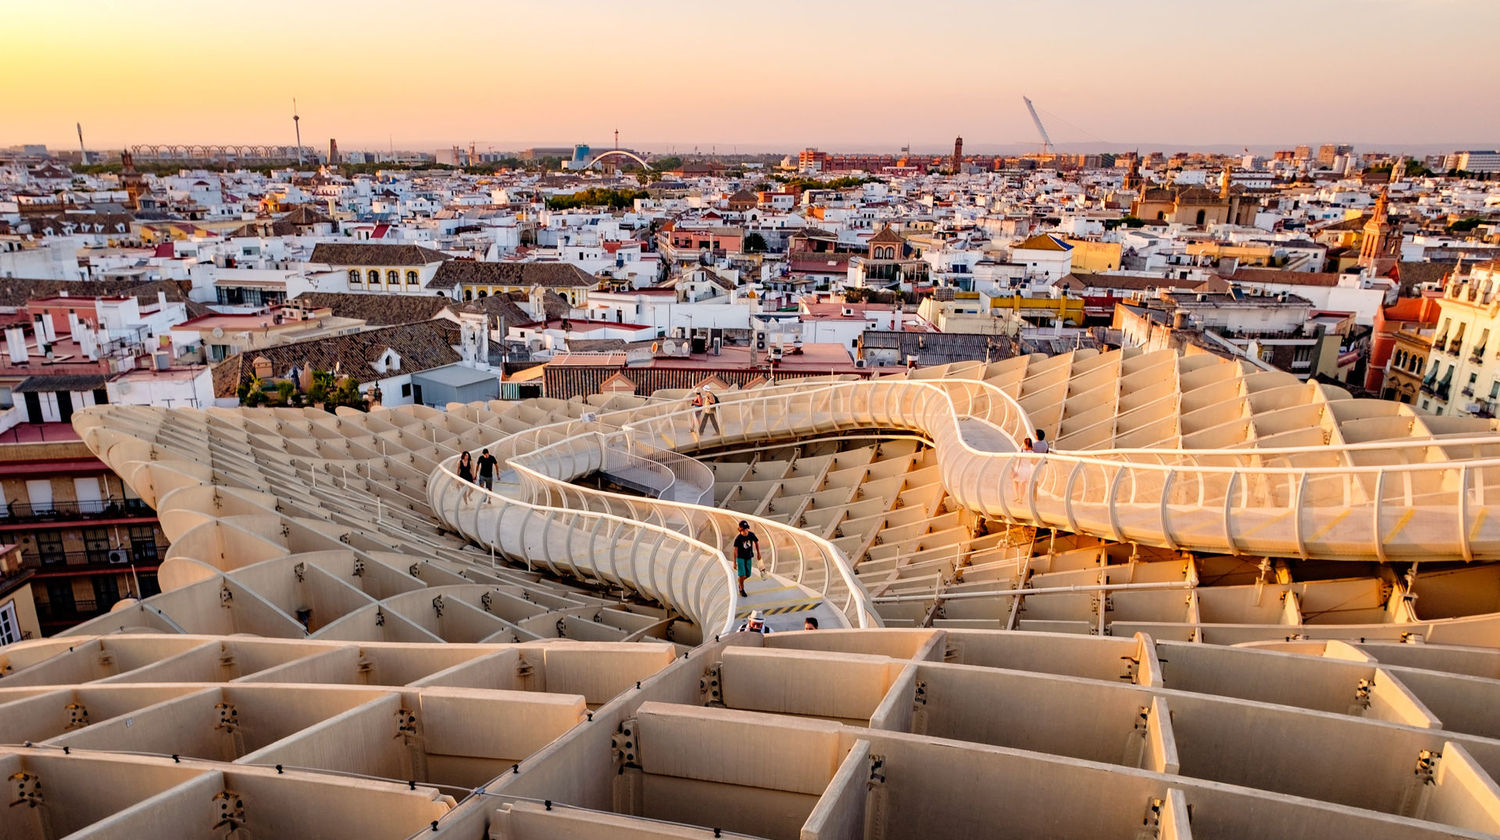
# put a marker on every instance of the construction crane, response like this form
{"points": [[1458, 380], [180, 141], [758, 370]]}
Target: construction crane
{"points": [[1047, 148]]}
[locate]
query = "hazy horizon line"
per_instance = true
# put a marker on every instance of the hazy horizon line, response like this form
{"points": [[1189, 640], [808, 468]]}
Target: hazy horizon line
{"points": [[688, 148]]}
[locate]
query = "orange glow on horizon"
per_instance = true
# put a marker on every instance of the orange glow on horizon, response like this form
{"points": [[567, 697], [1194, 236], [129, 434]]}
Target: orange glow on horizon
{"points": [[776, 74]]}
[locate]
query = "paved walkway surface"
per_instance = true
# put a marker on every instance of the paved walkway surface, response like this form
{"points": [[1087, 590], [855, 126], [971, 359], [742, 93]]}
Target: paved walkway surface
{"points": [[785, 604]]}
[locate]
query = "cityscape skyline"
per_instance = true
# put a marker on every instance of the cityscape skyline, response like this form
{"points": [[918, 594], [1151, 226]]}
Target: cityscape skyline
{"points": [[696, 74]]}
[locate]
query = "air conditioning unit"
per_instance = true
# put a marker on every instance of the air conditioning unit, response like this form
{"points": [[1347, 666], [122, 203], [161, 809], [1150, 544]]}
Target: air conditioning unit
{"points": [[119, 556], [860, 363]]}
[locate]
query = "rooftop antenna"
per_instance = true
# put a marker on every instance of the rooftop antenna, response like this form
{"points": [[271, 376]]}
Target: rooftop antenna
{"points": [[297, 126]]}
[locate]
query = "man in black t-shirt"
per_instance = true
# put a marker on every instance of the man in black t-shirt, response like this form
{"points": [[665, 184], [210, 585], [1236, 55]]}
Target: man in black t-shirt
{"points": [[746, 549], [487, 470]]}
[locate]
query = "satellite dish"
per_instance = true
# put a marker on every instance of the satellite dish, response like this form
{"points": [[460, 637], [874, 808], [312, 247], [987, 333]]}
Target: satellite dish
{"points": [[218, 332]]}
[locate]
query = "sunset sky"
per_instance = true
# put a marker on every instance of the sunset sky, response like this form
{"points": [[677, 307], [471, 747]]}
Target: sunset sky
{"points": [[757, 74]]}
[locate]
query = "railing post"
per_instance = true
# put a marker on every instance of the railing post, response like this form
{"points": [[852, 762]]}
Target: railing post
{"points": [[1165, 510], [1234, 478], [1465, 543], [1068, 496], [1116, 533], [1297, 527]]}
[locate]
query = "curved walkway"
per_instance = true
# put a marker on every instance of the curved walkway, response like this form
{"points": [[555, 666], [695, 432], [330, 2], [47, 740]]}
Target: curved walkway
{"points": [[1408, 499]]}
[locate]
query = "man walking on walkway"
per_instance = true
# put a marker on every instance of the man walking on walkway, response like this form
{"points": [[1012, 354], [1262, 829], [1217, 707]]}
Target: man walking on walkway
{"points": [[746, 549], [487, 470]]}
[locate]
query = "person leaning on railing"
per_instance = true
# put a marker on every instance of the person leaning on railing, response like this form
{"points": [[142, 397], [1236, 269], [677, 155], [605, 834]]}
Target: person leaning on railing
{"points": [[1040, 446]]}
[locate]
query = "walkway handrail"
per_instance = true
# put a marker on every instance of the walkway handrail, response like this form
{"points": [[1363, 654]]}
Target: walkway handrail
{"points": [[1179, 499], [707, 594], [804, 558], [1093, 492]]}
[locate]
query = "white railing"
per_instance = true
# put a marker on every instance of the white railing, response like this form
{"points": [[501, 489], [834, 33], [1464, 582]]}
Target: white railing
{"points": [[627, 551], [1318, 501], [1289, 501]]}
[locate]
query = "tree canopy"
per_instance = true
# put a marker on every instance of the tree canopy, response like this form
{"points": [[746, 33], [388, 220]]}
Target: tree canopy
{"points": [[597, 197]]}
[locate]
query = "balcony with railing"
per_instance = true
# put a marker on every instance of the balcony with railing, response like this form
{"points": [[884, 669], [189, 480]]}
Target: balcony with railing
{"points": [[98, 560], [66, 614], [19, 513]]}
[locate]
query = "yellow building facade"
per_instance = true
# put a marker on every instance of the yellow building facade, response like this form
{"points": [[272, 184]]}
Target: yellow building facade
{"points": [[1095, 257]]}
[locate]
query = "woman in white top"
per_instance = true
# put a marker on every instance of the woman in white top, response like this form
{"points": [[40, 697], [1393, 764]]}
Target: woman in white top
{"points": [[1021, 475]]}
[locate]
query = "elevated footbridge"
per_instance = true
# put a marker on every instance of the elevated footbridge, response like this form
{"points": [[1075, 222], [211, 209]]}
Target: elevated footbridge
{"points": [[1410, 498]]}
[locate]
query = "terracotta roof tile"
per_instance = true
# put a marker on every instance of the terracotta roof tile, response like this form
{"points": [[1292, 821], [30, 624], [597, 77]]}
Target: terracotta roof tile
{"points": [[377, 309], [367, 253], [553, 275], [422, 346]]}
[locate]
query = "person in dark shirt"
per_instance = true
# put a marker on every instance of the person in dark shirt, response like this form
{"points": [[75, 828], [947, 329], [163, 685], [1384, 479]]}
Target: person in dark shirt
{"points": [[465, 470], [487, 470], [746, 549]]}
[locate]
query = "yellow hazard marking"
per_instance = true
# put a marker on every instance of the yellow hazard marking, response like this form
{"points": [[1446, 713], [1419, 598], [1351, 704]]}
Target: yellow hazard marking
{"points": [[781, 603], [790, 608]]}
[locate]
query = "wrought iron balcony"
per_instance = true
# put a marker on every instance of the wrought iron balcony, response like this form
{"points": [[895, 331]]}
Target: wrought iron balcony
{"points": [[18, 512]]}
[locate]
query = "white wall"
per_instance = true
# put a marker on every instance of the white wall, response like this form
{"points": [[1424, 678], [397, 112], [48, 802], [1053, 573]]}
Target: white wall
{"points": [[175, 390]]}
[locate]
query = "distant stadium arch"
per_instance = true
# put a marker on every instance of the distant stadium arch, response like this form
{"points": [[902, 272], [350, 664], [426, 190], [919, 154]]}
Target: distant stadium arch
{"points": [[621, 153]]}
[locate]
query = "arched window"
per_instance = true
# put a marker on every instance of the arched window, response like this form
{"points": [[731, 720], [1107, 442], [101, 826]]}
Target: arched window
{"points": [[468, 294], [483, 294], [411, 278], [354, 277], [393, 277], [1202, 214], [373, 277]]}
